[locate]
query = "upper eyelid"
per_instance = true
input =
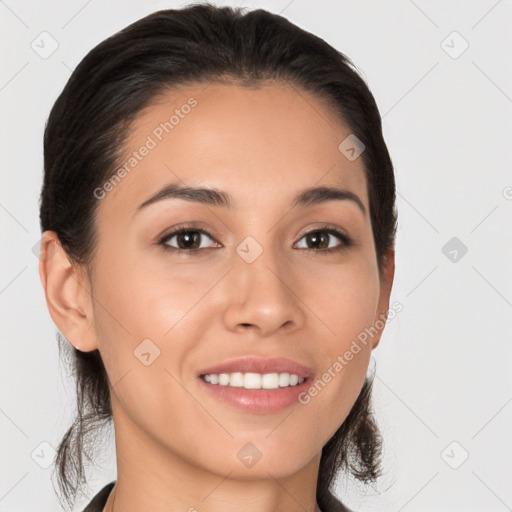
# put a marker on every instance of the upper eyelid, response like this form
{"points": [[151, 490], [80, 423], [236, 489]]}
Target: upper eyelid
{"points": [[185, 229]]}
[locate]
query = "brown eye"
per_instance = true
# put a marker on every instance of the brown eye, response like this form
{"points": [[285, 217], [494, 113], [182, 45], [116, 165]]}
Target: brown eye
{"points": [[187, 239], [318, 239], [323, 240]]}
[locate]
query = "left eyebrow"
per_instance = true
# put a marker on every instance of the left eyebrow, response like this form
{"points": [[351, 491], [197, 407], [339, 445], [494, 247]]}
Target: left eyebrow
{"points": [[317, 195], [215, 197]]}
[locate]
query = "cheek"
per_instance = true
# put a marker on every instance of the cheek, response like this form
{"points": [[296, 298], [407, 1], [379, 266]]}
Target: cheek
{"points": [[344, 299], [146, 300], [145, 336], [152, 300]]}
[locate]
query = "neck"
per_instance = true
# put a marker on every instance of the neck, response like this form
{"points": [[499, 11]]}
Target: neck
{"points": [[109, 506], [150, 476]]}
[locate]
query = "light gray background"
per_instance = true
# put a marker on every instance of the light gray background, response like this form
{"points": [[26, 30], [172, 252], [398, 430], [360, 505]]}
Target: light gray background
{"points": [[443, 365]]}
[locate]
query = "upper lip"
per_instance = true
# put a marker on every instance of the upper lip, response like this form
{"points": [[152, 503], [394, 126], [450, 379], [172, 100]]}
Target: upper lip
{"points": [[259, 365]]}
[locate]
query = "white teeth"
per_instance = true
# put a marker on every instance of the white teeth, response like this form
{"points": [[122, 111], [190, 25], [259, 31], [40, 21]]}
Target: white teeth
{"points": [[270, 381], [236, 380], [251, 381], [255, 380]]}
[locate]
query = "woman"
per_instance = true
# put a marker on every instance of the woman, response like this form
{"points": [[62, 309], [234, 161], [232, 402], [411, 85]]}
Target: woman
{"points": [[218, 218]]}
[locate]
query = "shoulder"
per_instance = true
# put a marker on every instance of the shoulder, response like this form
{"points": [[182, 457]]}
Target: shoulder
{"points": [[98, 502]]}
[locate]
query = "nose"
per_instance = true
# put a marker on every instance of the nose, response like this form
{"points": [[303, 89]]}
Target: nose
{"points": [[263, 295]]}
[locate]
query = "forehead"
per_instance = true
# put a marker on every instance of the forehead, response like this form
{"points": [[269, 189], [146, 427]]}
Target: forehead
{"points": [[260, 145]]}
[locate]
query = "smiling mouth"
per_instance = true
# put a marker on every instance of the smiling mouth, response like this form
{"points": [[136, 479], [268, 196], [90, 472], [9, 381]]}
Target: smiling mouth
{"points": [[256, 393]]}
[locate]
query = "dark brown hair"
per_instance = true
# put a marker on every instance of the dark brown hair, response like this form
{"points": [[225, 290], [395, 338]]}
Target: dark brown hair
{"points": [[91, 119]]}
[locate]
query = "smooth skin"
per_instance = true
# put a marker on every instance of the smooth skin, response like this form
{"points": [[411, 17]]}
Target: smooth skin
{"points": [[176, 444]]}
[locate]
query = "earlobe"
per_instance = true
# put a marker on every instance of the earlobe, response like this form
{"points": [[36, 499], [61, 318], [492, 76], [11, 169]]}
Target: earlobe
{"points": [[67, 294]]}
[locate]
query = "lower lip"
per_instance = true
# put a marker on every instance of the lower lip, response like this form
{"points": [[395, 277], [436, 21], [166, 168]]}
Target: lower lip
{"points": [[258, 400]]}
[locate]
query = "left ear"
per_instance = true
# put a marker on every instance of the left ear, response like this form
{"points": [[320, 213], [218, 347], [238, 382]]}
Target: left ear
{"points": [[386, 283]]}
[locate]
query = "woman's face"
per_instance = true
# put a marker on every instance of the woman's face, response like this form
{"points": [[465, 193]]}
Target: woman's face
{"points": [[255, 286]]}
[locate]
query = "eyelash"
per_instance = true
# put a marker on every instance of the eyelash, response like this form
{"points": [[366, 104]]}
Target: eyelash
{"points": [[345, 240]]}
